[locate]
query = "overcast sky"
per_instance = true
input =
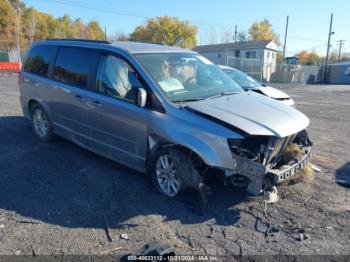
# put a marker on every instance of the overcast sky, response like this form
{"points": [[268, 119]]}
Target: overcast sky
{"points": [[308, 23]]}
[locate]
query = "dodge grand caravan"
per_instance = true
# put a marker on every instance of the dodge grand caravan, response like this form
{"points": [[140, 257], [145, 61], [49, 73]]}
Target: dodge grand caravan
{"points": [[161, 110]]}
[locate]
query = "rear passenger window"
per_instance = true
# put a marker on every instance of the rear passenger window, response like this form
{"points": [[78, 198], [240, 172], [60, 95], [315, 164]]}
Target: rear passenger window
{"points": [[73, 65], [38, 60]]}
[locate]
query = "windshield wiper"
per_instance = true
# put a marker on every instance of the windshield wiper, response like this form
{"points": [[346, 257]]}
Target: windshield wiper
{"points": [[189, 100], [222, 94]]}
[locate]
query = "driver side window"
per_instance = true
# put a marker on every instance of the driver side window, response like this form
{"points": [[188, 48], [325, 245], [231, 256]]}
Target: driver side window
{"points": [[117, 79]]}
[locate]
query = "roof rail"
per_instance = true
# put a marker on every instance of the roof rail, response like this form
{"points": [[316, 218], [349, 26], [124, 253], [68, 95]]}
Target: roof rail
{"points": [[78, 40]]}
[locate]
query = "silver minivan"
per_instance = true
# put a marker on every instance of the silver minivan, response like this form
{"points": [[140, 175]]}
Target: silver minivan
{"points": [[161, 110]]}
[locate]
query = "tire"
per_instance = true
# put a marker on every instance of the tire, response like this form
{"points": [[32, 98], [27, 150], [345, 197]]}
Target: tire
{"points": [[41, 124], [186, 174]]}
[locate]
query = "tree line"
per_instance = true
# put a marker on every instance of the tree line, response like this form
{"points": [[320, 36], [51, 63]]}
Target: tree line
{"points": [[312, 58], [34, 25]]}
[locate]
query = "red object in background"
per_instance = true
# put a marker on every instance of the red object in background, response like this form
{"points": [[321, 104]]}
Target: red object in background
{"points": [[7, 66]]}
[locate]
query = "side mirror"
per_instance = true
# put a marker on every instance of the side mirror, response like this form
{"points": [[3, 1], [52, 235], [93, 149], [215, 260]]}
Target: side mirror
{"points": [[141, 97]]}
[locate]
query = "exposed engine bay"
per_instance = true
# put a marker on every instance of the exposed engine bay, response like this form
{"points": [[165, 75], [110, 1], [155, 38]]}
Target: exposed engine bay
{"points": [[263, 160]]}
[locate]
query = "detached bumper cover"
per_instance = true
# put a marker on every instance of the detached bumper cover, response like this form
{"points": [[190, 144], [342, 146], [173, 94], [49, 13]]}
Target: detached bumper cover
{"points": [[279, 175]]}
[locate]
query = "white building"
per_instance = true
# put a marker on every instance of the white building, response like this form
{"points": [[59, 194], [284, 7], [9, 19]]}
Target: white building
{"points": [[264, 54]]}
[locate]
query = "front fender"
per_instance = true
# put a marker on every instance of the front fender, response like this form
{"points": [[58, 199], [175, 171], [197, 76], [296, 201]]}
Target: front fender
{"points": [[210, 145]]}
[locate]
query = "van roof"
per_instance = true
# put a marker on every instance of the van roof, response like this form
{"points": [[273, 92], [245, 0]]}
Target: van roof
{"points": [[131, 47]]}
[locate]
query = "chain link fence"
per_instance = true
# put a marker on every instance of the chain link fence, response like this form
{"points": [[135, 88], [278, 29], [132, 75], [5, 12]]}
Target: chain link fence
{"points": [[252, 67], [277, 73]]}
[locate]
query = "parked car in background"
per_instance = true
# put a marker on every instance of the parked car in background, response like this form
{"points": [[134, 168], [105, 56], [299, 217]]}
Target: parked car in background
{"points": [[249, 83], [161, 110]]}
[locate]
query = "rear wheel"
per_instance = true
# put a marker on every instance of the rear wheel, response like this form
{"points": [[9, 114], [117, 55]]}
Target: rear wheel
{"points": [[41, 124]]}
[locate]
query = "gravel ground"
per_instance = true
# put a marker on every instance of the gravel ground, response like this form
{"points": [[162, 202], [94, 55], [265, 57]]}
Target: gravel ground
{"points": [[54, 197]]}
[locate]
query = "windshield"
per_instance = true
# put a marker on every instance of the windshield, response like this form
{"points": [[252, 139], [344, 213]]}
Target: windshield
{"points": [[187, 76], [242, 79]]}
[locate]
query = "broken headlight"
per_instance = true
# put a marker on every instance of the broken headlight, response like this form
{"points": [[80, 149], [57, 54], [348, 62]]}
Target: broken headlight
{"points": [[239, 148]]}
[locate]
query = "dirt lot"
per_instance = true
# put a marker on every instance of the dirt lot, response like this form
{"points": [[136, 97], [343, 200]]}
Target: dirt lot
{"points": [[54, 197]]}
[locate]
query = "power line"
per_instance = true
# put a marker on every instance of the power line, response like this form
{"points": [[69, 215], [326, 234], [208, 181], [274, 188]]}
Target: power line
{"points": [[308, 49], [99, 8], [305, 39], [125, 13]]}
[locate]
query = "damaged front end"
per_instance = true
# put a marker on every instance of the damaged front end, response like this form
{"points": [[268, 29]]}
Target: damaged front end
{"points": [[261, 159]]}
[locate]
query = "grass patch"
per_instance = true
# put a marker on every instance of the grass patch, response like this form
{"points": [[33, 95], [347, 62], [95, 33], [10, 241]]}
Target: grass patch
{"points": [[321, 161], [306, 175], [292, 152]]}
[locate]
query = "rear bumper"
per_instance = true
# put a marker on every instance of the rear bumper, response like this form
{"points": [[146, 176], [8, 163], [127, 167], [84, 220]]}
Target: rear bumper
{"points": [[289, 171]]}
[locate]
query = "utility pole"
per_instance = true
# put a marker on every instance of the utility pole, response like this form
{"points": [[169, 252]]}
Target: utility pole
{"points": [[340, 47], [18, 30], [236, 34], [105, 33], [328, 47], [285, 39]]}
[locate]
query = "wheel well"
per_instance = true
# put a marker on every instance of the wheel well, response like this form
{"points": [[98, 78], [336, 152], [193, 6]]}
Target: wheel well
{"points": [[31, 103], [194, 157]]}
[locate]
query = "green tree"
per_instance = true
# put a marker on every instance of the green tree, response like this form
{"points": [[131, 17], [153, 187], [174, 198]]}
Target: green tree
{"points": [[166, 30], [313, 59], [303, 57], [29, 22], [64, 28], [7, 25], [94, 31], [78, 29], [279, 57], [35, 25], [262, 30], [333, 57]]}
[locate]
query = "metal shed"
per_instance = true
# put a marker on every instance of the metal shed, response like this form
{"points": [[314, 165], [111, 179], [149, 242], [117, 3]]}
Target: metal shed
{"points": [[339, 73]]}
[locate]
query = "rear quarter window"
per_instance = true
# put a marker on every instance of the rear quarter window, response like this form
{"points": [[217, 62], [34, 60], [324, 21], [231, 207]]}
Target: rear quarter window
{"points": [[39, 59], [73, 65]]}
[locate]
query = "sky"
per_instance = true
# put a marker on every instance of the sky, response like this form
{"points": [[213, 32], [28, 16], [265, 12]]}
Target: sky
{"points": [[308, 19]]}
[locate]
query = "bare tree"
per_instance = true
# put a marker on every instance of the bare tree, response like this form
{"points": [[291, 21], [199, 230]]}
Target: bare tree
{"points": [[227, 36], [211, 35], [119, 36], [242, 36]]}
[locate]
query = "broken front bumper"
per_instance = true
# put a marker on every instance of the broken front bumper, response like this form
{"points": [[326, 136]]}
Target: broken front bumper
{"points": [[257, 173], [289, 171]]}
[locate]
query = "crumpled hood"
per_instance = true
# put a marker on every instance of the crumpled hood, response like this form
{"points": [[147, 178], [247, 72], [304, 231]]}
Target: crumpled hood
{"points": [[272, 92], [254, 113]]}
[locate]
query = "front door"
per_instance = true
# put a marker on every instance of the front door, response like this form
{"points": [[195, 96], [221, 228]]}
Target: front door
{"points": [[118, 127]]}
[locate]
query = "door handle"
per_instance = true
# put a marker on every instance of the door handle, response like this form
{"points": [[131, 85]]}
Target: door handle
{"points": [[95, 103], [80, 98]]}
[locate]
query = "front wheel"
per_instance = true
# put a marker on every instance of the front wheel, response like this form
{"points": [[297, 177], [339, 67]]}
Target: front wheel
{"points": [[165, 173]]}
